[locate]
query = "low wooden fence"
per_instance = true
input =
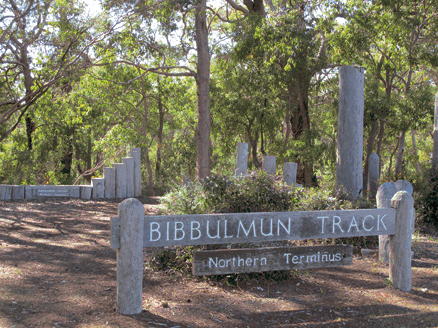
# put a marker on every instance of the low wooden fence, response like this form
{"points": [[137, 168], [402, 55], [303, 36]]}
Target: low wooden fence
{"points": [[132, 230]]}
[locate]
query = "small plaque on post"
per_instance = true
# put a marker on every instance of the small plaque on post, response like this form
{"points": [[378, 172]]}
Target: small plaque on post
{"points": [[270, 259]]}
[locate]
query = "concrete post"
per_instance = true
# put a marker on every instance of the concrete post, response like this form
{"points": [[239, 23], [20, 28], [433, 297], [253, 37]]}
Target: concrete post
{"points": [[136, 154], [435, 135], [242, 158], [384, 195], [290, 173], [109, 173], [28, 192], [98, 185], [5, 192], [129, 161], [85, 192], [373, 175], [404, 185], [269, 165], [17, 192], [130, 257], [120, 180], [350, 131], [400, 271]]}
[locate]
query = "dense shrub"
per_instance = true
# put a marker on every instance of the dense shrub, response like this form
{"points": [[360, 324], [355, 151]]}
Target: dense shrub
{"points": [[426, 199], [256, 192]]}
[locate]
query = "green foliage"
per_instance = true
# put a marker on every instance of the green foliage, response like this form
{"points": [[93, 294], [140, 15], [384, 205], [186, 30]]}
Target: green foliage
{"points": [[426, 200], [256, 192]]}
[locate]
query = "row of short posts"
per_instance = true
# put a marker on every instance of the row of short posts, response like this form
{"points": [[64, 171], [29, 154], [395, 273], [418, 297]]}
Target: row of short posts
{"points": [[11, 192], [269, 165], [122, 180]]}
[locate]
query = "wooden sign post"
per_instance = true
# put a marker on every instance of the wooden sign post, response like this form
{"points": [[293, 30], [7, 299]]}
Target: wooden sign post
{"points": [[132, 231]]}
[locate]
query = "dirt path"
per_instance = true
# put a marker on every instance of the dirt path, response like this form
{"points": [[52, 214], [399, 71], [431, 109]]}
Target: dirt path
{"points": [[57, 270]]}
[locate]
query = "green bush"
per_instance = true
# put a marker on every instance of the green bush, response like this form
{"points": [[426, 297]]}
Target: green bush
{"points": [[256, 192], [426, 199]]}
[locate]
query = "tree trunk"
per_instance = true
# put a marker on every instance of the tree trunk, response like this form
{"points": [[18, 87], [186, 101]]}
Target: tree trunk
{"points": [[160, 138], [300, 123], [67, 160], [401, 151], [150, 173], [262, 144], [203, 90], [370, 146], [256, 6], [414, 144], [392, 155], [288, 132], [89, 152], [253, 143], [30, 128], [146, 149], [380, 141]]}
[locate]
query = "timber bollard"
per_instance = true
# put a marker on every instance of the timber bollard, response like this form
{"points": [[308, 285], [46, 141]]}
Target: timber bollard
{"points": [[400, 271], [130, 257], [384, 195]]}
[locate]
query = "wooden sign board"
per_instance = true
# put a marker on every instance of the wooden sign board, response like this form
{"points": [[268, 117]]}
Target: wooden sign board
{"points": [[270, 259], [183, 230]]}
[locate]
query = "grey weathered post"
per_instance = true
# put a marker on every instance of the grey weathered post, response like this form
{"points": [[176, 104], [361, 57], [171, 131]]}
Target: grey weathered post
{"points": [[28, 192], [435, 135], [404, 185], [136, 154], [350, 130], [5, 192], [109, 173], [373, 175], [242, 158], [400, 271], [98, 185], [384, 195], [85, 192], [120, 179], [129, 161], [130, 257], [269, 165], [290, 173], [17, 192]]}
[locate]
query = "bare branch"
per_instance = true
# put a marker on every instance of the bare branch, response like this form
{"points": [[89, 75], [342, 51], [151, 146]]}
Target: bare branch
{"points": [[238, 7]]}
